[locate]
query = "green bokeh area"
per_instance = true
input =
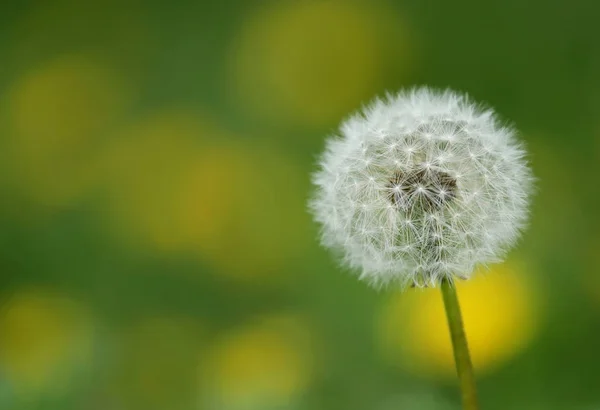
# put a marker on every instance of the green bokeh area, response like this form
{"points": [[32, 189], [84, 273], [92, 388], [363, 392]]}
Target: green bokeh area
{"points": [[155, 161]]}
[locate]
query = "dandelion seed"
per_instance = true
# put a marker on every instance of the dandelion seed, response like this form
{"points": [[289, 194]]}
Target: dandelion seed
{"points": [[440, 187]]}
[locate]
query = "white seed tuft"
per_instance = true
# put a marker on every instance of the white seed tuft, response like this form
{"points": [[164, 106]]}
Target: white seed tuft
{"points": [[421, 186]]}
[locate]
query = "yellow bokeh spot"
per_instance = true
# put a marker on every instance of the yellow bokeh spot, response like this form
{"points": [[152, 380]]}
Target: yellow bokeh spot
{"points": [[311, 62], [179, 184], [45, 337], [157, 363], [499, 313], [141, 169], [57, 114], [265, 223], [268, 363]]}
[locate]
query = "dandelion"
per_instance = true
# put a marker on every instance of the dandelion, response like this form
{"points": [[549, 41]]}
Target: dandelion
{"points": [[420, 188]]}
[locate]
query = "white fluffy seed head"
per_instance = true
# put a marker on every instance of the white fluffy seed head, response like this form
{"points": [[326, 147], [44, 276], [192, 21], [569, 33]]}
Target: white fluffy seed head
{"points": [[421, 186]]}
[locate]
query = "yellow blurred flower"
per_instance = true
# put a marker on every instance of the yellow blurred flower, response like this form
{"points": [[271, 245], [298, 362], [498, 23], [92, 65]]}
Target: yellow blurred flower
{"points": [[180, 184], [46, 338], [500, 317], [311, 62], [57, 113], [157, 364], [267, 363], [265, 223], [141, 168]]}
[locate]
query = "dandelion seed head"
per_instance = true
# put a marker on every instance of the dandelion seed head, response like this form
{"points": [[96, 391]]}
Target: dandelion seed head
{"points": [[421, 186]]}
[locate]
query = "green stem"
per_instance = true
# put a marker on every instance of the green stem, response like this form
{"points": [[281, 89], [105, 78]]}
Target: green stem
{"points": [[464, 368]]}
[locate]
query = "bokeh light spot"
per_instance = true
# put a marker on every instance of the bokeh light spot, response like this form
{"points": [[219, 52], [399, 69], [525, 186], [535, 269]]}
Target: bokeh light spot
{"points": [[263, 365], [500, 318], [182, 185], [311, 62], [46, 339], [141, 168], [58, 113], [266, 226]]}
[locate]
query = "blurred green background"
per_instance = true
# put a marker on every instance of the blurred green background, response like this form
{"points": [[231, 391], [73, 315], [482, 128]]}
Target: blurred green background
{"points": [[155, 251]]}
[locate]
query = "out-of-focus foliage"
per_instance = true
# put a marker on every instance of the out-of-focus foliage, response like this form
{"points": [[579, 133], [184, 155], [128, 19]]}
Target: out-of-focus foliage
{"points": [[155, 164], [46, 338]]}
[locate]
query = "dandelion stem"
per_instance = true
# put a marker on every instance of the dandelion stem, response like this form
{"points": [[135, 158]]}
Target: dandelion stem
{"points": [[464, 367]]}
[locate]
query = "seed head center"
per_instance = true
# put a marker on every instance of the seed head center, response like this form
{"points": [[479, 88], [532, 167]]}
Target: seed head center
{"points": [[421, 187]]}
